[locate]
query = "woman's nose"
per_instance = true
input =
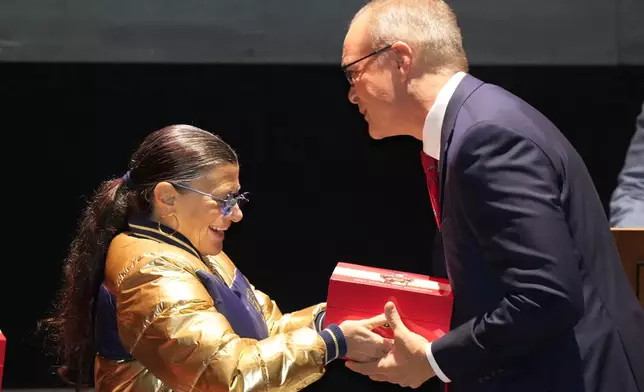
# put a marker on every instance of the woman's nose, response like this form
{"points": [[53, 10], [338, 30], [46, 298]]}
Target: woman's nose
{"points": [[236, 214]]}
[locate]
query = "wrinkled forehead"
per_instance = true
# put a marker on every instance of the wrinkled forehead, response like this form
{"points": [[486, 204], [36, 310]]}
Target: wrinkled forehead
{"points": [[222, 177], [357, 42]]}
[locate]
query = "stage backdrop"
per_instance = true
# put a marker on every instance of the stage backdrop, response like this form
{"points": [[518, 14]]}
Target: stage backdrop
{"points": [[321, 190], [499, 32]]}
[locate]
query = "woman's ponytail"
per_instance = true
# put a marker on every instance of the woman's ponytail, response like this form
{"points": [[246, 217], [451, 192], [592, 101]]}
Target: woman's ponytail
{"points": [[73, 323]]}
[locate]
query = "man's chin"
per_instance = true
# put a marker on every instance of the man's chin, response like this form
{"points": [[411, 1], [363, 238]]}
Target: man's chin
{"points": [[377, 134]]}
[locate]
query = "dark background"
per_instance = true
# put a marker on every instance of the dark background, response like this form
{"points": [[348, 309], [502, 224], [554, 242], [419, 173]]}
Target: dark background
{"points": [[496, 32], [322, 190], [84, 82]]}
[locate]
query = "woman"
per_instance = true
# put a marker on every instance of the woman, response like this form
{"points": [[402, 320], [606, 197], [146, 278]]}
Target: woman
{"points": [[151, 298]]}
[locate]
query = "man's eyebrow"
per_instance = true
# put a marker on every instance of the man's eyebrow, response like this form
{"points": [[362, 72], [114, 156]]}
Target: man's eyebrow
{"points": [[350, 63], [344, 55]]}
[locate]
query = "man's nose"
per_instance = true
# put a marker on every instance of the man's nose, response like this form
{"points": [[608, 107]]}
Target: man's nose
{"points": [[353, 98]]}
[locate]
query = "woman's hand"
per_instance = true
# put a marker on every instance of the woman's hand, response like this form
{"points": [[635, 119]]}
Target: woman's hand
{"points": [[362, 343]]}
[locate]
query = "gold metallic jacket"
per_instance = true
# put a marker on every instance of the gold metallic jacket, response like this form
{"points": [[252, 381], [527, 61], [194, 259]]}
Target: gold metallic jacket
{"points": [[168, 322]]}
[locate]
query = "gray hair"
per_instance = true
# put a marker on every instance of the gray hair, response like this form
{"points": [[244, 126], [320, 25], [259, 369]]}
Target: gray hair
{"points": [[429, 27]]}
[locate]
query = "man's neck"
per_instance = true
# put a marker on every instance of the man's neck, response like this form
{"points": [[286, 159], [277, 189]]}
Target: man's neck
{"points": [[424, 90]]}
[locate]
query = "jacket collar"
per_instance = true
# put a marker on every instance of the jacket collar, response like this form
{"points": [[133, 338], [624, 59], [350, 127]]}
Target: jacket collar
{"points": [[146, 228], [468, 85]]}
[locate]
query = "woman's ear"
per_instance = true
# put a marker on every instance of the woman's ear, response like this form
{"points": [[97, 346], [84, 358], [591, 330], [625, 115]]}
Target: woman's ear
{"points": [[164, 197]]}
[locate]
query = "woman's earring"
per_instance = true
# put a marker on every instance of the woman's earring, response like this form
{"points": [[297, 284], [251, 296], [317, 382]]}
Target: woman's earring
{"points": [[161, 230]]}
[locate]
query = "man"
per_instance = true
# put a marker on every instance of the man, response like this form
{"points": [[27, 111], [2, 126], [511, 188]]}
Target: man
{"points": [[627, 202], [541, 302]]}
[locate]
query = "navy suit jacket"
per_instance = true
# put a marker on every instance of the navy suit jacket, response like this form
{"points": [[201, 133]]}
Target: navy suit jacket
{"points": [[541, 301]]}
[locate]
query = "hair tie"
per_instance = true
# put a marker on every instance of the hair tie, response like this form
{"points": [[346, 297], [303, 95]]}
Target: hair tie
{"points": [[127, 180]]}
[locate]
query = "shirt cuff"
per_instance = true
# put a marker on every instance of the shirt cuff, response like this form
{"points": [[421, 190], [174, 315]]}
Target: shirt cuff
{"points": [[434, 364]]}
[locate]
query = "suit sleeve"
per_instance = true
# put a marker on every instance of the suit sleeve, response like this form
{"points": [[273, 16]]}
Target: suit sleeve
{"points": [[627, 201], [510, 194], [168, 321]]}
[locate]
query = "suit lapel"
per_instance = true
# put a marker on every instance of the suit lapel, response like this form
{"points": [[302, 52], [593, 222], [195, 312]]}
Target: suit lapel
{"points": [[467, 86]]}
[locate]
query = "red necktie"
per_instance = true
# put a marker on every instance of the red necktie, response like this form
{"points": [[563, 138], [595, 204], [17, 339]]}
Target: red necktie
{"points": [[430, 165]]}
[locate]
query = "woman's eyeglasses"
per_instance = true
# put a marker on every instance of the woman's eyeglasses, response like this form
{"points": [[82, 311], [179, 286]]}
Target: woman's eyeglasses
{"points": [[226, 204]]}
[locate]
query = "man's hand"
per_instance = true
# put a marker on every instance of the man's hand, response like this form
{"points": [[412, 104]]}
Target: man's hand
{"points": [[406, 364], [363, 344]]}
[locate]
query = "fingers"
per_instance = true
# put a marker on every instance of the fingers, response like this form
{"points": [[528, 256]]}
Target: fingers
{"points": [[379, 368], [378, 377], [374, 347], [376, 322], [393, 318], [388, 345], [364, 368], [382, 344]]}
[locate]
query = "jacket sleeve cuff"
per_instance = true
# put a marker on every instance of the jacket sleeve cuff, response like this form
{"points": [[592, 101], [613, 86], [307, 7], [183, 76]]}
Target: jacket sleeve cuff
{"points": [[336, 344], [434, 364], [319, 321]]}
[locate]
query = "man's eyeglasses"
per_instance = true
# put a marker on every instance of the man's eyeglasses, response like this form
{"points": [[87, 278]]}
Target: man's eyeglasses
{"points": [[349, 74], [226, 204]]}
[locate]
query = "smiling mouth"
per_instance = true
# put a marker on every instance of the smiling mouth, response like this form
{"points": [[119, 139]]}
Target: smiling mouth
{"points": [[218, 232]]}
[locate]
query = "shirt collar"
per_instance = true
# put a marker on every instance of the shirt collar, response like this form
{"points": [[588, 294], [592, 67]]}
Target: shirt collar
{"points": [[434, 120]]}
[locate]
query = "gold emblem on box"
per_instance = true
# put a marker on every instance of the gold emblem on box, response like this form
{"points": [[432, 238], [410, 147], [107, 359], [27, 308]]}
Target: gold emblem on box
{"points": [[399, 279]]}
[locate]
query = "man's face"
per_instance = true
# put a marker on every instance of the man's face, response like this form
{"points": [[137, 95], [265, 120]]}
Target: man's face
{"points": [[374, 82]]}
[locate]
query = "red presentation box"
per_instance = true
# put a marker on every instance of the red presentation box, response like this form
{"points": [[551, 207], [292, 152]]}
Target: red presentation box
{"points": [[3, 347], [359, 292]]}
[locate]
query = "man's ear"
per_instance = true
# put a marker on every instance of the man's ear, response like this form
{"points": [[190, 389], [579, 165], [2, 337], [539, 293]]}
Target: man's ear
{"points": [[403, 56]]}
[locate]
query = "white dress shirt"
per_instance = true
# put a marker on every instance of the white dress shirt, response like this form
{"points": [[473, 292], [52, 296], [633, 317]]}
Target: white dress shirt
{"points": [[432, 147]]}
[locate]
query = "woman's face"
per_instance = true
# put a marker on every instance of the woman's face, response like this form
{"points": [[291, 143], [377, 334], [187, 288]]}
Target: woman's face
{"points": [[199, 217]]}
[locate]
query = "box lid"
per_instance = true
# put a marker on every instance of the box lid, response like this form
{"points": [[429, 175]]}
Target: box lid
{"points": [[367, 289]]}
